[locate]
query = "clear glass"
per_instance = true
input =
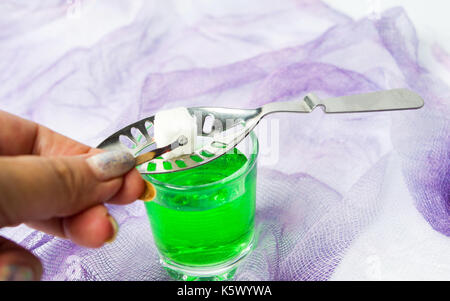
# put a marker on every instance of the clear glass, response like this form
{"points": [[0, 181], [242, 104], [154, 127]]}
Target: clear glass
{"points": [[205, 227]]}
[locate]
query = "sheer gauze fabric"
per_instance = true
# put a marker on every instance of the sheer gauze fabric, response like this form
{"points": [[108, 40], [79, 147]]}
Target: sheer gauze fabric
{"points": [[349, 196]]}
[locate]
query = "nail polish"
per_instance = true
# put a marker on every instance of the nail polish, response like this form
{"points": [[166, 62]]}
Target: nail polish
{"points": [[111, 164], [149, 192]]}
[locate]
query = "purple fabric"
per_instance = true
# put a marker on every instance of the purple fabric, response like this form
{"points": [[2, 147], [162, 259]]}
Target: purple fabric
{"points": [[329, 185]]}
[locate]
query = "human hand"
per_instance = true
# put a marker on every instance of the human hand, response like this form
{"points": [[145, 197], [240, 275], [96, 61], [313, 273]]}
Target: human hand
{"points": [[59, 186]]}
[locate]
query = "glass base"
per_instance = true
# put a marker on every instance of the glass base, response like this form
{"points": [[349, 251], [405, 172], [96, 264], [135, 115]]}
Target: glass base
{"points": [[221, 272], [183, 276]]}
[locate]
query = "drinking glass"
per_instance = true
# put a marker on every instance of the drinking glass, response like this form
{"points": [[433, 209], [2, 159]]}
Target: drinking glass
{"points": [[202, 219]]}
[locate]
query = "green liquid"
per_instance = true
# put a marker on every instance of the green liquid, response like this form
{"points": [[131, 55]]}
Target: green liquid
{"points": [[201, 227]]}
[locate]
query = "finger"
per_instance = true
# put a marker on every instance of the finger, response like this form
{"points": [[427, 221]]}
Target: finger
{"points": [[16, 263], [132, 188], [40, 188], [53, 226], [49, 143], [91, 228]]}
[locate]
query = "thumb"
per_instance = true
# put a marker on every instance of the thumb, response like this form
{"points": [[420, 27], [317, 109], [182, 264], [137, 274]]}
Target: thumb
{"points": [[39, 188], [16, 263]]}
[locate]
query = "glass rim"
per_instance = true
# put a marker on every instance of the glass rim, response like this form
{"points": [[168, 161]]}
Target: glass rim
{"points": [[243, 170]]}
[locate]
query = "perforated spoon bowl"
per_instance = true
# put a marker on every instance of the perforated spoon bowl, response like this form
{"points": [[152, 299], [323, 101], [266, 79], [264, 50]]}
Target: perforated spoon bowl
{"points": [[221, 129]]}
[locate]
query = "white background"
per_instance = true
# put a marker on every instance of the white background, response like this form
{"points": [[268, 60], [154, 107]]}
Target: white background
{"points": [[431, 18]]}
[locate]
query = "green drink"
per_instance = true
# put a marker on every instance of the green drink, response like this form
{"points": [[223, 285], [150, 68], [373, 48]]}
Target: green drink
{"points": [[203, 218]]}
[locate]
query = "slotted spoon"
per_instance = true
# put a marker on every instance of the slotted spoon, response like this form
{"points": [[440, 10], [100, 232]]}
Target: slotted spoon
{"points": [[221, 129]]}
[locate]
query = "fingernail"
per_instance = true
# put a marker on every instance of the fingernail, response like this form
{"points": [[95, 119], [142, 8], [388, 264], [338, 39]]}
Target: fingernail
{"points": [[111, 164], [115, 227], [149, 192], [16, 273]]}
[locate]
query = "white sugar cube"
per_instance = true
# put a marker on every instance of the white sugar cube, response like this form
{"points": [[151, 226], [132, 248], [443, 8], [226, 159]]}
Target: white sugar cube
{"points": [[169, 125]]}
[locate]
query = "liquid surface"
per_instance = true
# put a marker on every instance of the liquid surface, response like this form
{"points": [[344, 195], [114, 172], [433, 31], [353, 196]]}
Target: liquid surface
{"points": [[201, 227]]}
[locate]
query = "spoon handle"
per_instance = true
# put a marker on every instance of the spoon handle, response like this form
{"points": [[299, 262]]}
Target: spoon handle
{"points": [[387, 100]]}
